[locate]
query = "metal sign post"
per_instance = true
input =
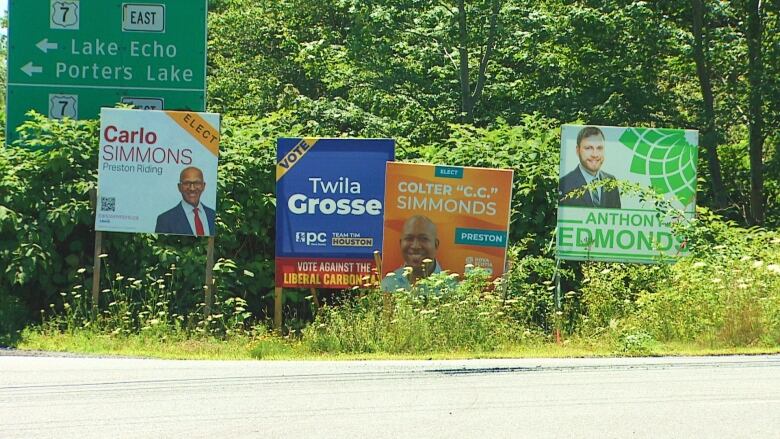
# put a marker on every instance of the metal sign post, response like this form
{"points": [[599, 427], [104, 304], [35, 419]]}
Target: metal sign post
{"points": [[557, 281], [558, 301]]}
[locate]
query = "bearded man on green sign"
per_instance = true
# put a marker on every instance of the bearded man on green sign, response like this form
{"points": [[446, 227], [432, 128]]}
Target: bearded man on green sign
{"points": [[590, 150]]}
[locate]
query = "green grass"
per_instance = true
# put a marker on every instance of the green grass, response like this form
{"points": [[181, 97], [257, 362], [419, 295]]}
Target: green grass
{"points": [[88, 342], [724, 300], [278, 348]]}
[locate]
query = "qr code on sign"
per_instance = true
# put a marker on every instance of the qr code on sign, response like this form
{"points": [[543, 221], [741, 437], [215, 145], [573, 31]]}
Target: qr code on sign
{"points": [[107, 204]]}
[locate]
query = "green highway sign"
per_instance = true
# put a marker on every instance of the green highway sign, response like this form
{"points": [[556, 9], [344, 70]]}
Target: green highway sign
{"points": [[69, 58]]}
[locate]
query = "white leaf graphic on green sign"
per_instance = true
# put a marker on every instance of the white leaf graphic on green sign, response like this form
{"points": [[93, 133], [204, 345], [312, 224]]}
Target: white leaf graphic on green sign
{"points": [[666, 157]]}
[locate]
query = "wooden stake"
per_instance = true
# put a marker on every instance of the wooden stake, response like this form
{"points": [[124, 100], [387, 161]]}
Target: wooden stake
{"points": [[378, 262], [386, 297], [278, 309], [209, 299], [96, 272]]}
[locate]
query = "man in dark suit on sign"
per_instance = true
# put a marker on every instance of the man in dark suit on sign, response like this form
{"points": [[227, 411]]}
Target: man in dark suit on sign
{"points": [[187, 217], [590, 150]]}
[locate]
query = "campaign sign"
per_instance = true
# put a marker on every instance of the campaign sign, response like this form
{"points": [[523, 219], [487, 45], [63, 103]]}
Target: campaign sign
{"points": [[329, 205], [157, 172], [443, 218], [642, 180]]}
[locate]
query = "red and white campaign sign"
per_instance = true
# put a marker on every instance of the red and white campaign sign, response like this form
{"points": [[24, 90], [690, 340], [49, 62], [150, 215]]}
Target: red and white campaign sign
{"points": [[157, 172]]}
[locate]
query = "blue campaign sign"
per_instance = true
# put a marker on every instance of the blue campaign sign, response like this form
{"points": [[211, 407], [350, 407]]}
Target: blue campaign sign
{"points": [[329, 209]]}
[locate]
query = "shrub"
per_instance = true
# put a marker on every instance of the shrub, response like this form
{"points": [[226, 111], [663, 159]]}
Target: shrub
{"points": [[474, 316], [610, 291], [530, 289], [725, 292], [45, 215]]}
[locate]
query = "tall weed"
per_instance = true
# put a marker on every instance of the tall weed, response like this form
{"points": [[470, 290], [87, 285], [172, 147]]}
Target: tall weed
{"points": [[472, 316]]}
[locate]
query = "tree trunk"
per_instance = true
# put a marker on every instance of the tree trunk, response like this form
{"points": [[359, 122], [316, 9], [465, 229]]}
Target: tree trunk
{"points": [[709, 132], [467, 105], [469, 99], [755, 114], [483, 63]]}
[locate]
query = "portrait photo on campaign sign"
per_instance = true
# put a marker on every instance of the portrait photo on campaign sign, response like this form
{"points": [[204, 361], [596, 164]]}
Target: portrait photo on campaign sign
{"points": [[441, 218], [620, 190], [157, 172], [329, 209]]}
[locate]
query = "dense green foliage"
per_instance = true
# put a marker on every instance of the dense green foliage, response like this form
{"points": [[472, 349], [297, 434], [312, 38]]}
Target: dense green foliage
{"points": [[486, 84], [397, 68], [47, 214]]}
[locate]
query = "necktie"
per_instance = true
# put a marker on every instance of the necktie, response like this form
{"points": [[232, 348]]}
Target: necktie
{"points": [[595, 194], [198, 223]]}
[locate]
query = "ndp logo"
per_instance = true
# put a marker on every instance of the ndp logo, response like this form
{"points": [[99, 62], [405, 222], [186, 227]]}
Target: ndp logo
{"points": [[310, 238]]}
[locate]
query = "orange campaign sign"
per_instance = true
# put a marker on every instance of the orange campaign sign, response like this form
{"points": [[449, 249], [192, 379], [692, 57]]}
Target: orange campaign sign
{"points": [[442, 218]]}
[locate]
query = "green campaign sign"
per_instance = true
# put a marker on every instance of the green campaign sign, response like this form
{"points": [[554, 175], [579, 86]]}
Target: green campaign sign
{"points": [[611, 221], [69, 58]]}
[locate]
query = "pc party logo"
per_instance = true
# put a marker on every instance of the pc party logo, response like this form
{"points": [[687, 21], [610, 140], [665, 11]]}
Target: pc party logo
{"points": [[667, 157]]}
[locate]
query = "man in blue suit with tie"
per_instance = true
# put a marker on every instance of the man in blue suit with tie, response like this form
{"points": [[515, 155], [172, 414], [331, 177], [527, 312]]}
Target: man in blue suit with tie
{"points": [[590, 150], [190, 216]]}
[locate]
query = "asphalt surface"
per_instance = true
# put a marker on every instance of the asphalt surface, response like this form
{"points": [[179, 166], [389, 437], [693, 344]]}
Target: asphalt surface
{"points": [[713, 397]]}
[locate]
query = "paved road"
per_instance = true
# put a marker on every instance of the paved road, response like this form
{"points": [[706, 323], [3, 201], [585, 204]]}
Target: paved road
{"points": [[724, 397]]}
